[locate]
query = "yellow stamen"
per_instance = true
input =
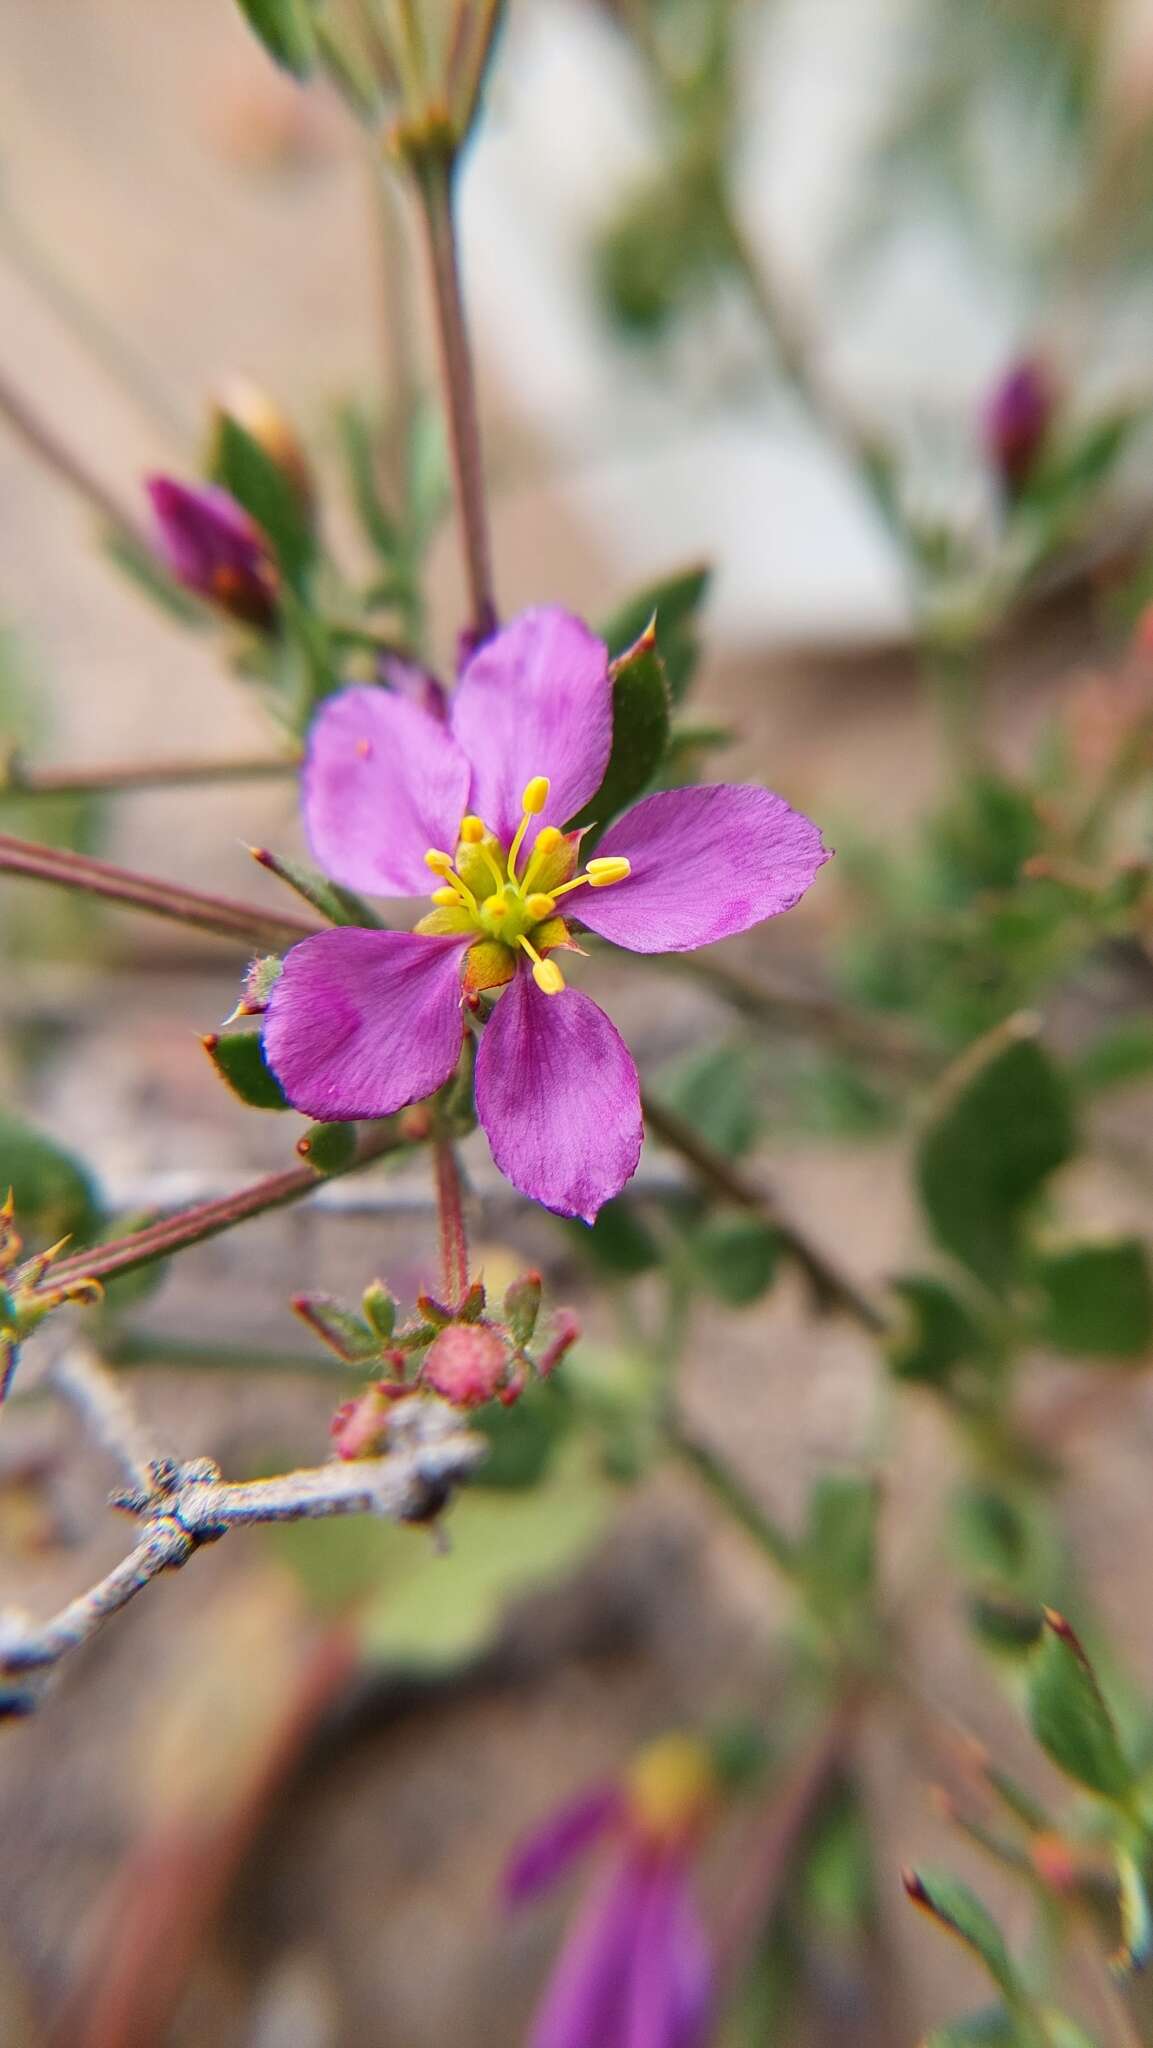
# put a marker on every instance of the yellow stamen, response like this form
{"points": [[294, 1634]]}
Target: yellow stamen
{"points": [[441, 864], [547, 840], [446, 896], [545, 973], [603, 872], [472, 830], [539, 907], [534, 799], [489, 857], [497, 906]]}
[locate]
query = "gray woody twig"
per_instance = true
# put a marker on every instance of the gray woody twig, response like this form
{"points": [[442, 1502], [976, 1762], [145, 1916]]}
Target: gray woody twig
{"points": [[181, 1506]]}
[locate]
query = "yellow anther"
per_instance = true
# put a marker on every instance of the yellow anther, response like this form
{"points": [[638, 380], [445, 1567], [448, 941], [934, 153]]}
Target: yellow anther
{"points": [[446, 896], [472, 830], [440, 863], [547, 840], [602, 872], [540, 906], [536, 794], [497, 906], [545, 973]]}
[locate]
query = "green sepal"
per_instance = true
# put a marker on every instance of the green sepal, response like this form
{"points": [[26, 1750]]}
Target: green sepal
{"points": [[381, 1309], [957, 1909], [521, 1306], [267, 495], [286, 30], [1097, 1299], [239, 1060], [1005, 1126], [328, 1148], [1069, 1715], [640, 731], [352, 1340], [675, 602]]}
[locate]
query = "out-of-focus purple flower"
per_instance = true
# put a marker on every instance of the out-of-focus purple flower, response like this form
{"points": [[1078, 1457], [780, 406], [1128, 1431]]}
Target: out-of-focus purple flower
{"points": [[416, 682], [1017, 417], [634, 1971], [210, 545], [361, 1023]]}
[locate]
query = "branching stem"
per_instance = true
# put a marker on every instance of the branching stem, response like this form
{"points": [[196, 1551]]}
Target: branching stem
{"points": [[247, 924]]}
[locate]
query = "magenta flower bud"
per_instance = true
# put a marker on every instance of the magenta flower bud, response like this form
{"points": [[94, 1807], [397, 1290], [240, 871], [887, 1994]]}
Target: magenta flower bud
{"points": [[1017, 417], [467, 1364], [209, 544]]}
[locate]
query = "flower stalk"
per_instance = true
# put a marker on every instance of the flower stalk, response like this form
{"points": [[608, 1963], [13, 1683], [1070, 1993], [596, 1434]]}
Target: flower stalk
{"points": [[434, 168], [450, 1211]]}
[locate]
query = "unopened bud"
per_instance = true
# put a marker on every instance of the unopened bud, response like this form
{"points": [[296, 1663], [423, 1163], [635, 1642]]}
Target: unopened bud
{"points": [[274, 434], [522, 1306], [467, 1364], [208, 543], [1017, 418], [565, 1331]]}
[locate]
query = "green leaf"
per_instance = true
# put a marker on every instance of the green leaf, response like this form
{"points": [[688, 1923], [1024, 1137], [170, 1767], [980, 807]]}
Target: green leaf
{"points": [[1005, 1126], [349, 1336], [736, 1258], [1098, 1299], [359, 447], [953, 1906], [239, 1061], [714, 1092], [1069, 1716], [936, 1335], [640, 731], [338, 904], [676, 601], [522, 1440], [1118, 1056], [426, 1612], [267, 495], [285, 28], [619, 1242], [55, 1194], [839, 1559]]}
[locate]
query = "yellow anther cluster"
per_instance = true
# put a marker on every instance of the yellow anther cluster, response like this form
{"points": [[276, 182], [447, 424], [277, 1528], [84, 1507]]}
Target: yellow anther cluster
{"points": [[508, 907], [672, 1785]]}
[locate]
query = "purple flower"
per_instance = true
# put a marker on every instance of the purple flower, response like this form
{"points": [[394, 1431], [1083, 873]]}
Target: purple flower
{"points": [[1017, 417], [634, 1971], [361, 1023], [209, 544]]}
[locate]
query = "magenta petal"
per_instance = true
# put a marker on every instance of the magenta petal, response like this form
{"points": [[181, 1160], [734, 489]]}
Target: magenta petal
{"points": [[362, 1023], [384, 782], [536, 700], [558, 1096], [584, 2004], [706, 863], [546, 1854], [670, 1989]]}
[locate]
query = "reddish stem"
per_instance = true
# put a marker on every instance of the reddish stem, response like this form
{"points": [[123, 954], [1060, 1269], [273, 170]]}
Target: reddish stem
{"points": [[450, 1209], [246, 923]]}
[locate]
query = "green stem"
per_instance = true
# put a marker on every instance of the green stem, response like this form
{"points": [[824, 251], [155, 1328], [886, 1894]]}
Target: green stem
{"points": [[720, 1480], [207, 1219], [435, 174], [246, 924]]}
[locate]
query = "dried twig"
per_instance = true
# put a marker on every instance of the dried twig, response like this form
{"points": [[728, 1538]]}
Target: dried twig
{"points": [[181, 1506], [16, 779]]}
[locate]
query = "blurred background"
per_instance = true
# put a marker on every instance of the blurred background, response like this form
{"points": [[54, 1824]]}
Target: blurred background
{"points": [[746, 276]]}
